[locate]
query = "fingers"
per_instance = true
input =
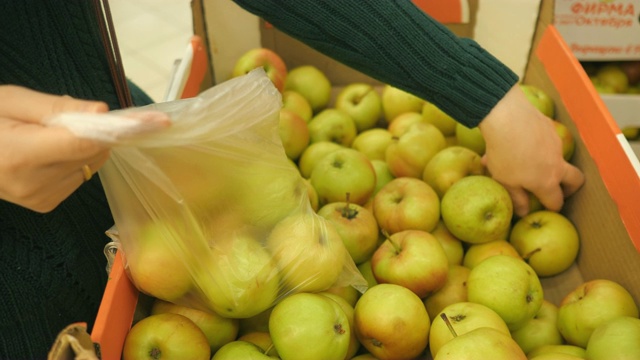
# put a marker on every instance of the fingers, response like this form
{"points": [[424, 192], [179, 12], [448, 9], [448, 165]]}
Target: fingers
{"points": [[520, 199], [572, 180]]}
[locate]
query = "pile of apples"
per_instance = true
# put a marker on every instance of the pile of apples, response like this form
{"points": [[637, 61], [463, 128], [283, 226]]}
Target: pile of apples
{"points": [[451, 272]]}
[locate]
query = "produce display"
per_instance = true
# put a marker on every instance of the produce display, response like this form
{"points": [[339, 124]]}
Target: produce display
{"points": [[452, 272]]}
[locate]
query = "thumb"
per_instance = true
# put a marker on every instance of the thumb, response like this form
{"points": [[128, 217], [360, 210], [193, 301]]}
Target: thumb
{"points": [[20, 103]]}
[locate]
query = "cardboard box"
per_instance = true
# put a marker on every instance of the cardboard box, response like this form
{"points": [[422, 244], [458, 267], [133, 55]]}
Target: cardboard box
{"points": [[606, 210]]}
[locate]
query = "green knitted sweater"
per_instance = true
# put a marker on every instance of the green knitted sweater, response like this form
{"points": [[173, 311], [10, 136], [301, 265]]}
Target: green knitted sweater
{"points": [[52, 271]]}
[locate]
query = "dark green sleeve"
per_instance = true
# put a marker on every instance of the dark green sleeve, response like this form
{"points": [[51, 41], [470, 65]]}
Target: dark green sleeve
{"points": [[396, 43]]}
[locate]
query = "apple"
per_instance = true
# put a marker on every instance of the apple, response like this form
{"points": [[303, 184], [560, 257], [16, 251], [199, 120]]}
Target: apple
{"points": [[481, 344], [391, 322], [568, 142], [309, 326], [373, 143], [454, 291], [354, 344], [270, 61], [241, 349], [406, 203], [411, 258], [509, 287], [540, 99], [617, 338], [630, 133], [333, 125], [366, 270], [450, 165], [313, 153], [263, 340], [344, 175], [309, 252], [314, 202], [294, 133], [396, 101], [383, 175], [218, 330], [357, 227], [168, 335], [547, 240], [470, 138], [452, 245], [476, 253], [154, 265], [612, 75], [234, 287], [349, 293], [294, 101], [463, 317], [403, 122], [434, 115], [362, 102], [571, 350], [541, 330], [600, 87], [312, 83], [410, 152], [591, 304], [555, 356], [477, 209]]}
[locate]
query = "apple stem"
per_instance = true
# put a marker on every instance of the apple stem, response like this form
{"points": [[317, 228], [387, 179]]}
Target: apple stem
{"points": [[448, 323], [347, 211], [529, 254], [266, 351], [359, 98]]}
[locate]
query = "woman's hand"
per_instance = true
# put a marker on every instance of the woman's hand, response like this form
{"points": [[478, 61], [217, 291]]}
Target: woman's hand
{"points": [[41, 166], [524, 154]]}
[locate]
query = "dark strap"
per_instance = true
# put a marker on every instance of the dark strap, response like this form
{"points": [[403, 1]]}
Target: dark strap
{"points": [[110, 42]]}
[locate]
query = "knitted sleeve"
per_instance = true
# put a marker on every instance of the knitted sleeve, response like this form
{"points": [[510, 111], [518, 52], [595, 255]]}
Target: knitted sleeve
{"points": [[396, 43]]}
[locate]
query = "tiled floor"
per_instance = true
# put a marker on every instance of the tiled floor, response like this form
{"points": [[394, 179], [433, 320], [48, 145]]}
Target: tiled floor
{"points": [[152, 34]]}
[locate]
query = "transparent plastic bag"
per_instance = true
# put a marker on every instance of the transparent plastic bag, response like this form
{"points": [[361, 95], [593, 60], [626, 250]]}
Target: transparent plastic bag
{"points": [[210, 213]]}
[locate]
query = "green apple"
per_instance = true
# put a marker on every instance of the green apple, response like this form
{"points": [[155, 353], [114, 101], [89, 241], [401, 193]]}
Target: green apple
{"points": [[362, 102], [314, 202], [357, 227], [366, 270], [509, 287], [547, 240], [452, 245], [562, 349], [219, 330], [600, 87], [454, 291], [464, 317], [309, 326], [354, 344], [312, 83], [541, 330], [396, 101], [344, 175], [242, 349], [168, 335], [470, 138], [349, 293], [373, 143], [403, 122], [409, 154], [477, 209], [617, 338], [234, 287], [434, 115], [309, 252], [540, 99], [294, 133], [269, 60], [591, 304], [383, 175], [391, 322], [568, 141], [332, 125], [450, 165], [263, 340], [481, 344], [313, 153], [612, 75], [406, 203], [476, 253], [294, 101], [413, 259]]}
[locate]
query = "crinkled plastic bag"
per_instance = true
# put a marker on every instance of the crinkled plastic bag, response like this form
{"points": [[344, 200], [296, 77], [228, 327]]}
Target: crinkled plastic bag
{"points": [[210, 213]]}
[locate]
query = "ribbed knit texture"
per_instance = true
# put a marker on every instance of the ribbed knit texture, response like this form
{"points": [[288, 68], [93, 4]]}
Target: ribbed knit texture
{"points": [[396, 43], [52, 267]]}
